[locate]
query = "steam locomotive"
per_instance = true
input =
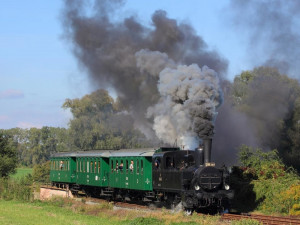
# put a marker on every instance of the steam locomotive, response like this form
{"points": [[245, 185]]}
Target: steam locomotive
{"points": [[164, 175]]}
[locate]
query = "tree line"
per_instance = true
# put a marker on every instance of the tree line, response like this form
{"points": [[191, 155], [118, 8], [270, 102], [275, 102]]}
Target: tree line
{"points": [[271, 102], [269, 99], [99, 122]]}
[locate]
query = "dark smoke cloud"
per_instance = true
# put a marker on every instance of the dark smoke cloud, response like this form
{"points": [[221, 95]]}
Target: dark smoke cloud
{"points": [[259, 118], [273, 28], [107, 50], [233, 129]]}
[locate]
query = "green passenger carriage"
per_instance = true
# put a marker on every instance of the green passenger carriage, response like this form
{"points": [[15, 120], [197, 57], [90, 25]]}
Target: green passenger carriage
{"points": [[92, 168], [63, 168], [131, 169]]}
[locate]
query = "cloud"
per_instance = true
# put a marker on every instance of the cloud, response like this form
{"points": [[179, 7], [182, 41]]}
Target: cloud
{"points": [[11, 94], [25, 125]]}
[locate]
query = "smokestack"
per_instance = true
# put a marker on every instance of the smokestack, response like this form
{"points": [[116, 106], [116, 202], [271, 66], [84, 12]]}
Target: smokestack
{"points": [[207, 150], [199, 156]]}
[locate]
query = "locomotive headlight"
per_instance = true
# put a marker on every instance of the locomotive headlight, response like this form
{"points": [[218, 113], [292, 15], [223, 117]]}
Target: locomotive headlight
{"points": [[227, 187], [197, 188]]}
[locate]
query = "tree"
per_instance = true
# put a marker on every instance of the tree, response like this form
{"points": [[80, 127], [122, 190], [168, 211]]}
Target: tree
{"points": [[273, 187], [8, 156], [271, 101], [35, 145], [99, 122], [41, 172]]}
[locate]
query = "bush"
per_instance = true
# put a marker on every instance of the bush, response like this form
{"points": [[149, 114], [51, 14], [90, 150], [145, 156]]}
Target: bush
{"points": [[41, 172], [17, 189], [273, 187]]}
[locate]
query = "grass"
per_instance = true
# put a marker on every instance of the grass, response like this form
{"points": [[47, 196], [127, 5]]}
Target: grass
{"points": [[21, 172], [60, 211], [68, 211], [20, 213]]}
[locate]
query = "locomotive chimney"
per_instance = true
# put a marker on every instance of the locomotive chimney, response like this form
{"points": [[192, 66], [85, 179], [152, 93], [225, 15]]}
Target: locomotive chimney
{"points": [[207, 150], [199, 156]]}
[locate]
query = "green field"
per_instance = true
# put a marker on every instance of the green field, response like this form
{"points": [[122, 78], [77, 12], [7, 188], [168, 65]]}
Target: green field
{"points": [[12, 212], [60, 211], [21, 172]]}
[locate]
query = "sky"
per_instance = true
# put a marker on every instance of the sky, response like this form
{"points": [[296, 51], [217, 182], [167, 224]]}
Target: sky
{"points": [[38, 70]]}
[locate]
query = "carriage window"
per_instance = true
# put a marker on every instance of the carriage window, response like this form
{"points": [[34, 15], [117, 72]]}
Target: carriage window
{"points": [[112, 166], [87, 167], [191, 160], [142, 167], [95, 167], [126, 166], [181, 164], [98, 166], [170, 163], [117, 166], [84, 164], [137, 166], [121, 166], [92, 164], [157, 163], [131, 166]]}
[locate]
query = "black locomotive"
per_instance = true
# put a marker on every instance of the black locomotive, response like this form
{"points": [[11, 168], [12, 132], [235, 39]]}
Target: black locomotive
{"points": [[190, 177]]}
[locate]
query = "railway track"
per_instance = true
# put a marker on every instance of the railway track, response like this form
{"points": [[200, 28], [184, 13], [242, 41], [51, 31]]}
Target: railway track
{"points": [[268, 220]]}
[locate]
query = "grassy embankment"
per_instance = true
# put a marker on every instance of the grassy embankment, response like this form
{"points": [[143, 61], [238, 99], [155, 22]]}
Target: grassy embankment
{"points": [[22, 209], [68, 211], [22, 213]]}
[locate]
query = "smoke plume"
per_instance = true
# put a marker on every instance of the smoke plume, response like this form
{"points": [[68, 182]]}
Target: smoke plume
{"points": [[132, 58], [187, 106]]}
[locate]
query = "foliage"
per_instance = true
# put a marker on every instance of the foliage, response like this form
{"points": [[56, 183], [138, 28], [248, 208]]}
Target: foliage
{"points": [[35, 145], [288, 199], [271, 102], [41, 172], [266, 181], [99, 122], [261, 165], [8, 156], [16, 189]]}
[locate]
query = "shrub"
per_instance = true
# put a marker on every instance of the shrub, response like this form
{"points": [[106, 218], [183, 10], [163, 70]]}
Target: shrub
{"points": [[274, 188], [17, 189], [41, 172]]}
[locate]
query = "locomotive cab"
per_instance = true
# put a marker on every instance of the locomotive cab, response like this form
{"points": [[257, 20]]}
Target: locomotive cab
{"points": [[173, 170]]}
